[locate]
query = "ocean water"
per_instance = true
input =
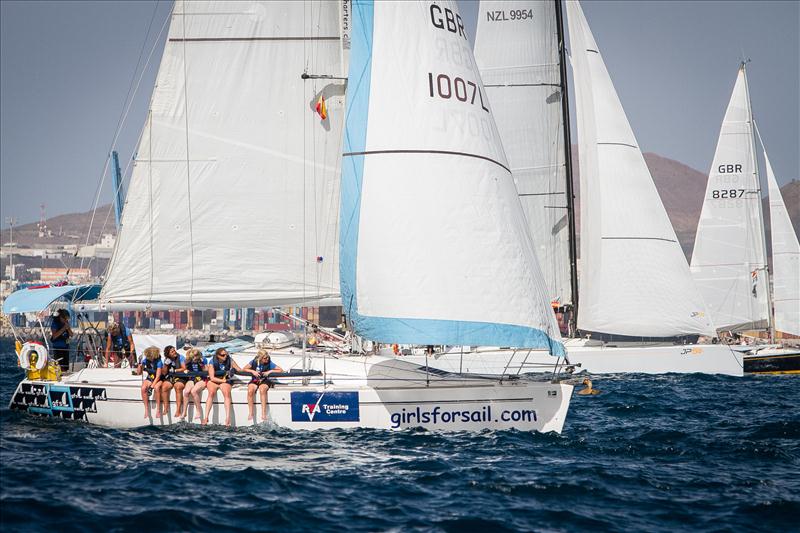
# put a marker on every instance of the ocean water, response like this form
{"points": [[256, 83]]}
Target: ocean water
{"points": [[660, 453]]}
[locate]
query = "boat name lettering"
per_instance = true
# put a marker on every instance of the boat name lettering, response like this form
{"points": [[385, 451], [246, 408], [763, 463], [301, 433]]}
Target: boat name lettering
{"points": [[446, 88], [514, 14], [439, 416], [445, 19], [729, 169]]}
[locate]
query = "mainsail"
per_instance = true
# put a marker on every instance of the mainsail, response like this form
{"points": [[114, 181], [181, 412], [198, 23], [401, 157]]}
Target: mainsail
{"points": [[435, 248], [233, 199], [729, 260], [517, 50], [785, 260], [634, 279]]}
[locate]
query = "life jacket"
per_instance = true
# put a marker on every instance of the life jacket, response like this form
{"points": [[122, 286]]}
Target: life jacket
{"points": [[120, 342], [150, 368], [170, 364], [222, 369], [260, 367]]}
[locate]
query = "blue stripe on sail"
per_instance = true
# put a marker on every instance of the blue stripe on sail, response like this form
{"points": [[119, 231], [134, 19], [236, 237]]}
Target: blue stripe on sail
{"points": [[383, 329], [355, 138]]}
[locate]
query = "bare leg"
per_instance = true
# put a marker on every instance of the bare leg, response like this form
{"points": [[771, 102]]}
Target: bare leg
{"points": [[166, 386], [197, 391], [212, 391], [226, 396], [179, 385], [251, 396], [146, 398], [187, 390], [263, 390]]}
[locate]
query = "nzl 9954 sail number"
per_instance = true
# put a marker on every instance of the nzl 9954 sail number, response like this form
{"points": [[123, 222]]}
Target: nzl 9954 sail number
{"points": [[443, 86]]}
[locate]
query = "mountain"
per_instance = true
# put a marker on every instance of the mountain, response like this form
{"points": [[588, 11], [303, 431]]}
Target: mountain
{"points": [[65, 229]]}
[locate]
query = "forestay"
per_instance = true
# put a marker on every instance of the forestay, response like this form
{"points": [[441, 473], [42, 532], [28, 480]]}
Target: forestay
{"points": [[435, 247], [785, 260], [233, 198], [729, 259], [634, 277], [517, 50]]}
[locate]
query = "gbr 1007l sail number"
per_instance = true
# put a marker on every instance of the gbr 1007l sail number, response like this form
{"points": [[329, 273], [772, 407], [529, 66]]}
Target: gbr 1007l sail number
{"points": [[446, 88]]}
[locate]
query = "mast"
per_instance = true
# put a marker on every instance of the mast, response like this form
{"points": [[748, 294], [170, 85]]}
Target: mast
{"points": [[573, 252], [762, 229]]}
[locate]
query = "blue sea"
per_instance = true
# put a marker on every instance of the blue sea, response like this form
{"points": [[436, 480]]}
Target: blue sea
{"points": [[660, 453]]}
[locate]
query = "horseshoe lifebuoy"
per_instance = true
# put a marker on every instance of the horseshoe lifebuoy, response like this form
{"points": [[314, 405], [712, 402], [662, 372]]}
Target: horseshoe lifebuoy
{"points": [[33, 356]]}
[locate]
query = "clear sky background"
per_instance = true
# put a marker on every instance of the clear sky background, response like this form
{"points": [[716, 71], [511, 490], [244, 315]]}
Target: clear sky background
{"points": [[66, 68]]}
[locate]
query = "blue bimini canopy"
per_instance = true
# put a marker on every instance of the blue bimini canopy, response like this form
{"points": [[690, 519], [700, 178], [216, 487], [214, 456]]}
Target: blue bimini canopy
{"points": [[35, 299]]}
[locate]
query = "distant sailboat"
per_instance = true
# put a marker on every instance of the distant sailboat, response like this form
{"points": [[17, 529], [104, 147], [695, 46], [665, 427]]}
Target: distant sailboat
{"points": [[729, 261], [730, 257]]}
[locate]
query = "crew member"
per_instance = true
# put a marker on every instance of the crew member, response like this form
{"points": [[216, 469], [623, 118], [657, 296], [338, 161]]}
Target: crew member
{"points": [[119, 343], [173, 362], [60, 332], [196, 365], [221, 368], [261, 367], [150, 368]]}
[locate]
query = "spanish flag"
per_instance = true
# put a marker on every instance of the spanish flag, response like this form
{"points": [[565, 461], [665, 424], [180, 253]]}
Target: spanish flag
{"points": [[322, 110]]}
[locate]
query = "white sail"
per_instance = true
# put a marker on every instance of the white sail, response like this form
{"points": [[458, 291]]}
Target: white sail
{"points": [[785, 260], [233, 199], [435, 247], [634, 278], [729, 259], [517, 50]]}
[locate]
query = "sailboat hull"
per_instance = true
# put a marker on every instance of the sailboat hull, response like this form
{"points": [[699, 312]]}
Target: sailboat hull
{"points": [[773, 361], [390, 396], [595, 359]]}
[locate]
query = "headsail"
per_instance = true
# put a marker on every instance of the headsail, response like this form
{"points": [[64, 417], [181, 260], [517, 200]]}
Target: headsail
{"points": [[517, 50], [435, 248], [634, 277], [785, 260], [233, 199], [729, 258]]}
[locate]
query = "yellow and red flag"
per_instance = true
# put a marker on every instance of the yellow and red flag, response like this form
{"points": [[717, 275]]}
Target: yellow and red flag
{"points": [[322, 109]]}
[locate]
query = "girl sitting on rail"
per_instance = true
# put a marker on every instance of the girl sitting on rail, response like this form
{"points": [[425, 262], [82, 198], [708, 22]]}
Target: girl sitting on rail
{"points": [[261, 367], [173, 362], [150, 367], [221, 368], [196, 364]]}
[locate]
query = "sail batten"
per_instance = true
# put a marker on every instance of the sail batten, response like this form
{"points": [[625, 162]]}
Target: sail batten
{"points": [[232, 200], [634, 280], [434, 245]]}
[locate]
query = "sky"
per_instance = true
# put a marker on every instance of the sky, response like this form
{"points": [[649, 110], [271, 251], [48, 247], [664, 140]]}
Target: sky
{"points": [[66, 69]]}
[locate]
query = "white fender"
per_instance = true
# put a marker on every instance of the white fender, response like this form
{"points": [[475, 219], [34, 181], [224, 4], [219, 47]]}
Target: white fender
{"points": [[25, 355]]}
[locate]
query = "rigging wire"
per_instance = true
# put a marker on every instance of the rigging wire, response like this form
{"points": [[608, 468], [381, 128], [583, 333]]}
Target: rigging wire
{"points": [[129, 97], [188, 170]]}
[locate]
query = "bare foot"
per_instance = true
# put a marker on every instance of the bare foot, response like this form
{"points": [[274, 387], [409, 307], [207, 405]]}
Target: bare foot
{"points": [[204, 421], [264, 417], [250, 417], [228, 423], [178, 413], [147, 415]]}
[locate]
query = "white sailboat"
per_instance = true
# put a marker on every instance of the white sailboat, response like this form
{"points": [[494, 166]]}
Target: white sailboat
{"points": [[234, 202], [635, 282], [730, 256], [729, 260]]}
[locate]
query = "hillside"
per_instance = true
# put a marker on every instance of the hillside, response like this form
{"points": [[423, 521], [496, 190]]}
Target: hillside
{"points": [[66, 229]]}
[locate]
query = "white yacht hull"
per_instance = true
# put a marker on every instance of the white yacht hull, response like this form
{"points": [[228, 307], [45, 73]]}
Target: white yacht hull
{"points": [[387, 394], [656, 359], [596, 359]]}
